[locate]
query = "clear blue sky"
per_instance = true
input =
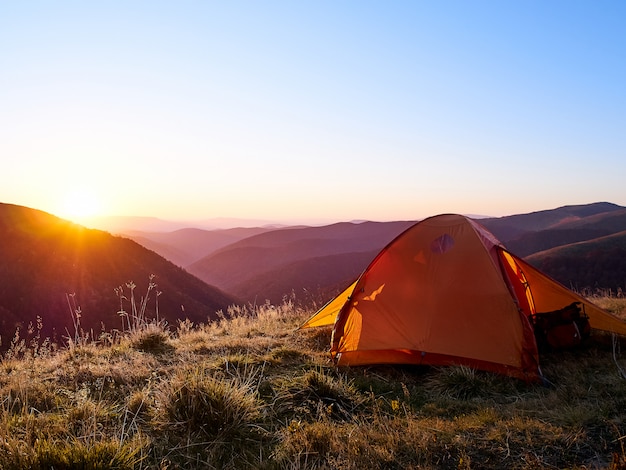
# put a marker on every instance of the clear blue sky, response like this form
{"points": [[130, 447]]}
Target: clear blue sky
{"points": [[310, 110]]}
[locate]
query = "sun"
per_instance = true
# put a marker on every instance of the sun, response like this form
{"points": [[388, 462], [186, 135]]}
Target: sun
{"points": [[81, 203]]}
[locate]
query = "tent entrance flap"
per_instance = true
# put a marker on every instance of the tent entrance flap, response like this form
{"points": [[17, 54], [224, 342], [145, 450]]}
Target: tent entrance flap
{"points": [[328, 313], [518, 283]]}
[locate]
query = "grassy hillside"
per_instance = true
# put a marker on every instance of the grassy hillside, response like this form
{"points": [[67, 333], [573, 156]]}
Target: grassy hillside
{"points": [[598, 263], [582, 229], [250, 392], [511, 227], [43, 258]]}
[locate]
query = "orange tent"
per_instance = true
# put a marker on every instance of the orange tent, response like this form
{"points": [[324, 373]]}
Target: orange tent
{"points": [[446, 292]]}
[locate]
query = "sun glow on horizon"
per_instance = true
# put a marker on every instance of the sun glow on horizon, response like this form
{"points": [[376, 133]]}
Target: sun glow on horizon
{"points": [[79, 203]]}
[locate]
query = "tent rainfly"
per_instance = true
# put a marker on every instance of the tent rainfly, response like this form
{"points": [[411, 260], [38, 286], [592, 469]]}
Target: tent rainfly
{"points": [[447, 292]]}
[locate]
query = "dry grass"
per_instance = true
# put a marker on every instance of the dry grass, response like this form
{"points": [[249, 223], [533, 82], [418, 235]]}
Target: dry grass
{"points": [[252, 392]]}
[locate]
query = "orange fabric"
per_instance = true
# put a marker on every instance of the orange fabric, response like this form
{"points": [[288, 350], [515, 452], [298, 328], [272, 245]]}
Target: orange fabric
{"points": [[551, 295], [437, 290], [519, 283], [523, 297], [446, 292], [327, 315]]}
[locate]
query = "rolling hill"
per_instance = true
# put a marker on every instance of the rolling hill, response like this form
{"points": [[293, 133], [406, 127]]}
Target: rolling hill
{"points": [[186, 246], [298, 261], [43, 258], [514, 226], [583, 229], [598, 263], [312, 281]]}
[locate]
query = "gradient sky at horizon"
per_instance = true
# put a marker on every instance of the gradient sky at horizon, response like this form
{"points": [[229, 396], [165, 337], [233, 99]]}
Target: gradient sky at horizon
{"points": [[309, 111]]}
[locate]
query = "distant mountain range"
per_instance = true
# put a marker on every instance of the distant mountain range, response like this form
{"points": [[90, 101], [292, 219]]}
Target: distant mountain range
{"points": [[43, 257], [594, 264], [512, 227], [123, 224], [568, 230], [311, 263], [186, 246], [308, 262]]}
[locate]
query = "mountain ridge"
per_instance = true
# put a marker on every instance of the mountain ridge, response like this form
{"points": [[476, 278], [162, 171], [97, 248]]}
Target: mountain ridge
{"points": [[591, 264], [188, 245], [241, 268], [44, 258], [269, 253]]}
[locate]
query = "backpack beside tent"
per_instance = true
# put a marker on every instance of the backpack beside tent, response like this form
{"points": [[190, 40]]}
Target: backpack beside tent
{"points": [[447, 292]]}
